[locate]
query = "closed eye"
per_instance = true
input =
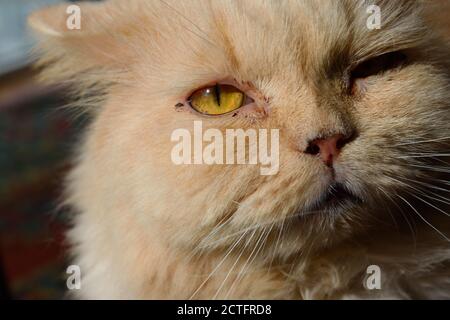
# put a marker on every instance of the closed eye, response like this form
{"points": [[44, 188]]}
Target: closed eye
{"points": [[378, 65]]}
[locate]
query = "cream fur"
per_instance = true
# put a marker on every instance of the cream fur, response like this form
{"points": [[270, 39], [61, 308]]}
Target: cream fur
{"points": [[145, 228]]}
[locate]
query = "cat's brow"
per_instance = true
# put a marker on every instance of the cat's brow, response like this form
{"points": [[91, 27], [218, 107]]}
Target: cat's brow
{"points": [[203, 35], [228, 44]]}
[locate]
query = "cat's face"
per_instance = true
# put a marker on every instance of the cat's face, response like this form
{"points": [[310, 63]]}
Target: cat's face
{"points": [[311, 69]]}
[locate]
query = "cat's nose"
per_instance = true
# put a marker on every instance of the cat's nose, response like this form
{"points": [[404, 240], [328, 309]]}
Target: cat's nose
{"points": [[327, 148]]}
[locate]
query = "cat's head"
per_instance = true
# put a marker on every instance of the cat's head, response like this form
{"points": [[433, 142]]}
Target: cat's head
{"points": [[362, 114]]}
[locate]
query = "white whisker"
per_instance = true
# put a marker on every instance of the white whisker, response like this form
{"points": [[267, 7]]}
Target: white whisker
{"points": [[431, 155], [419, 142], [248, 261], [229, 272], [431, 205], [423, 219], [217, 267], [430, 168]]}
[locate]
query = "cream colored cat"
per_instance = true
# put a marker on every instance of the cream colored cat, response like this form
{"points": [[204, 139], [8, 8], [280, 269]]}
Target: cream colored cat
{"points": [[363, 116]]}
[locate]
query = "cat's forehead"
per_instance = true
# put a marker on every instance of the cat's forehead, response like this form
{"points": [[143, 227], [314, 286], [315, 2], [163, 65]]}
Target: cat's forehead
{"points": [[299, 34], [256, 36], [315, 33]]}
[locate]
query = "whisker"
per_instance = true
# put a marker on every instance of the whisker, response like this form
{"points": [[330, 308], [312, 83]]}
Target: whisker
{"points": [[229, 272], [278, 242], [302, 214], [199, 246], [430, 168], [221, 224], [243, 249], [442, 181], [413, 231], [422, 192], [217, 267], [390, 213], [431, 205], [252, 254], [419, 142], [431, 155], [427, 185], [423, 219], [267, 233]]}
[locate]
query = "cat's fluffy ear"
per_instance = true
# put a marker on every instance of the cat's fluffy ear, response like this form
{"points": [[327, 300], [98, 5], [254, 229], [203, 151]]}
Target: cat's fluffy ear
{"points": [[53, 21], [80, 35], [72, 19]]}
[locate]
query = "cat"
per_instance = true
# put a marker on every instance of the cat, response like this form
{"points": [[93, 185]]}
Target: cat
{"points": [[359, 206]]}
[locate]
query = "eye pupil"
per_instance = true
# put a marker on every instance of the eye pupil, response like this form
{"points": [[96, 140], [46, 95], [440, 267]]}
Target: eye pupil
{"points": [[217, 91]]}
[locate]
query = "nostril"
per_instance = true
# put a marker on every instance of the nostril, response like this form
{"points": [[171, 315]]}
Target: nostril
{"points": [[312, 149], [344, 140], [341, 142], [328, 147]]}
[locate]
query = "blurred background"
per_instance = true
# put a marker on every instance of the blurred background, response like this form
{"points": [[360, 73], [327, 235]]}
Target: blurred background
{"points": [[36, 138]]}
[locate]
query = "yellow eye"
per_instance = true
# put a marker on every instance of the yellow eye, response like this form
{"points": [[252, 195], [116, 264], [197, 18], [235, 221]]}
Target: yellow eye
{"points": [[216, 100]]}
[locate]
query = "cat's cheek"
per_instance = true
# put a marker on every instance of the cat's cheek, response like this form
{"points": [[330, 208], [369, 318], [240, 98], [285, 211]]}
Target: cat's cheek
{"points": [[252, 111]]}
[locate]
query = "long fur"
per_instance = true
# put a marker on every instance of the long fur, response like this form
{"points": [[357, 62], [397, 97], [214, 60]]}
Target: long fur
{"points": [[146, 228]]}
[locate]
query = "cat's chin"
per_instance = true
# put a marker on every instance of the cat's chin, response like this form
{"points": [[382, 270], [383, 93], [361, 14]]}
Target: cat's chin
{"points": [[336, 199]]}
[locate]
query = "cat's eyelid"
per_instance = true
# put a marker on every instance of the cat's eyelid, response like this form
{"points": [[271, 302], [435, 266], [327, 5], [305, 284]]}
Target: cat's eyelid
{"points": [[377, 64], [367, 58]]}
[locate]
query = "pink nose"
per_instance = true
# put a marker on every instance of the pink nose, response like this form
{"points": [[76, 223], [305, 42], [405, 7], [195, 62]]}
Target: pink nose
{"points": [[328, 148]]}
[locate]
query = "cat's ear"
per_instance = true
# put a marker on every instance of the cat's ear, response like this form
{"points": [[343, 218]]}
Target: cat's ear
{"points": [[83, 31]]}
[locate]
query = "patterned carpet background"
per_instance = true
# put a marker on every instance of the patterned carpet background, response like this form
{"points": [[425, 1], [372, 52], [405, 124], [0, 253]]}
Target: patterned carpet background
{"points": [[35, 142]]}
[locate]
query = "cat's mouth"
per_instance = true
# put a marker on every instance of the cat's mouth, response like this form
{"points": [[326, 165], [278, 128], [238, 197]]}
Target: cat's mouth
{"points": [[335, 199]]}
